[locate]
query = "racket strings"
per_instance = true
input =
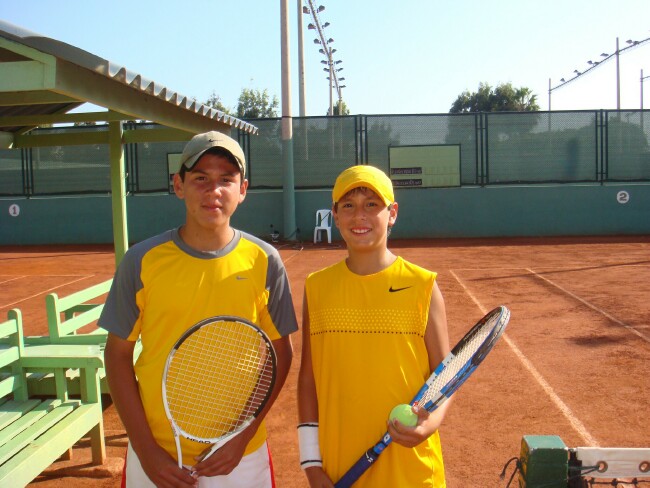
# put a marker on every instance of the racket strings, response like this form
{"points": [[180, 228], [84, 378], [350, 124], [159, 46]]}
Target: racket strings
{"points": [[462, 364], [218, 378]]}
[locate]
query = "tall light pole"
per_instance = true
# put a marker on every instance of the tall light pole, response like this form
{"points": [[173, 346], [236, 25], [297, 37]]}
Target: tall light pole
{"points": [[330, 77], [642, 78], [327, 50], [594, 64], [641, 113], [618, 77], [301, 65], [288, 193]]}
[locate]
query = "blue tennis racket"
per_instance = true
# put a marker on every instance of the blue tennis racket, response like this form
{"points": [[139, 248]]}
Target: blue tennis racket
{"points": [[450, 374]]}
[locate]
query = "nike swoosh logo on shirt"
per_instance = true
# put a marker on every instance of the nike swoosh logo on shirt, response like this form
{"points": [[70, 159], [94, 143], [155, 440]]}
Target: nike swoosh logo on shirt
{"points": [[393, 290]]}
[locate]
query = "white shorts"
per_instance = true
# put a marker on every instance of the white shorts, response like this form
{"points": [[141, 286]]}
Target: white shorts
{"points": [[254, 471]]}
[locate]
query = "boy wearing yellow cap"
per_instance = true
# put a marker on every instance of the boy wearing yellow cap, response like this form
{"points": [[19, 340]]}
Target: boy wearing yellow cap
{"points": [[374, 327]]}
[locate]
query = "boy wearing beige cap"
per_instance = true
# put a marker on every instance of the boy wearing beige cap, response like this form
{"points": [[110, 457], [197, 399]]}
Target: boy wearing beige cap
{"points": [[374, 327], [166, 284]]}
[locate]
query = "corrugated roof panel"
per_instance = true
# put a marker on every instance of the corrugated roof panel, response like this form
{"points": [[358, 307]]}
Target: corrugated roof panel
{"points": [[116, 73]]}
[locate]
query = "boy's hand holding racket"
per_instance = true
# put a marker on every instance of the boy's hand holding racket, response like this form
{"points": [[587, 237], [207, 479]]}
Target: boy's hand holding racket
{"points": [[226, 458], [162, 469]]}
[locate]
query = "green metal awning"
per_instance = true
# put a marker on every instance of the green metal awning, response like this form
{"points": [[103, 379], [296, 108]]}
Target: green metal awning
{"points": [[42, 80]]}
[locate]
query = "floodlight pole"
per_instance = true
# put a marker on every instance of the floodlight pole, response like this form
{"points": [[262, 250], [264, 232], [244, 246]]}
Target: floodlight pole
{"points": [[326, 50], [618, 78], [595, 64], [642, 78], [331, 67], [288, 194], [301, 65]]}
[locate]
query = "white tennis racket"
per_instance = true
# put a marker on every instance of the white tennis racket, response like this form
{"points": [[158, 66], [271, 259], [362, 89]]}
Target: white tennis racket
{"points": [[218, 377]]}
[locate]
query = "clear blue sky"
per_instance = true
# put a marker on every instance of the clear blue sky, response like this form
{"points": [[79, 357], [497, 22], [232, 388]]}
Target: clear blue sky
{"points": [[399, 57]]}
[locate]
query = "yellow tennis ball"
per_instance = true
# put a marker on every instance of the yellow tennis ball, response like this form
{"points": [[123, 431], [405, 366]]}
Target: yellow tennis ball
{"points": [[404, 414]]}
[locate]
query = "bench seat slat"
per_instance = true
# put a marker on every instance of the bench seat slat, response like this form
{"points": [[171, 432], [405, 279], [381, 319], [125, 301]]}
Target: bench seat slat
{"points": [[8, 383], [35, 432], [36, 429], [21, 423], [12, 410], [46, 449]]}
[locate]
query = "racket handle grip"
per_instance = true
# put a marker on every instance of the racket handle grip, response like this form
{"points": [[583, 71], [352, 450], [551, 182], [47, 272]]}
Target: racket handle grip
{"points": [[355, 472], [210, 452]]}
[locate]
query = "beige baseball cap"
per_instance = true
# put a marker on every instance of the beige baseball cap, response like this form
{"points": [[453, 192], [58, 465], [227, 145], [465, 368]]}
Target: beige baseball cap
{"points": [[202, 142]]}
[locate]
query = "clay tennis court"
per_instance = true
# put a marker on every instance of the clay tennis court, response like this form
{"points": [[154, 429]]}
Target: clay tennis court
{"points": [[574, 362]]}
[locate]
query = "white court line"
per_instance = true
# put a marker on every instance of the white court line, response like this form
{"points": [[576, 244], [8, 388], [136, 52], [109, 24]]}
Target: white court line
{"points": [[292, 256], [45, 291], [12, 279], [577, 425], [593, 307], [566, 267]]}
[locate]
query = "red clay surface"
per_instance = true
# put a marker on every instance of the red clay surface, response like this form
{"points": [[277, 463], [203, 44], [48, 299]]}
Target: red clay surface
{"points": [[574, 362]]}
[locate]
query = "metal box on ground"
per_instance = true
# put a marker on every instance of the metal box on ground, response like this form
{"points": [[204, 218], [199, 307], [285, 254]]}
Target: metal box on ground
{"points": [[544, 462]]}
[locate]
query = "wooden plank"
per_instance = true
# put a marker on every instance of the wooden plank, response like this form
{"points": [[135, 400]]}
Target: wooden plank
{"points": [[41, 426], [8, 384], [26, 419], [12, 410], [83, 296], [8, 355], [42, 452], [71, 326]]}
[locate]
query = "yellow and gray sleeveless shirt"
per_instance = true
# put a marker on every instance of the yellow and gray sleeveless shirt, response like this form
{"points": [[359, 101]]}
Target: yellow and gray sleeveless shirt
{"points": [[368, 355], [163, 287]]}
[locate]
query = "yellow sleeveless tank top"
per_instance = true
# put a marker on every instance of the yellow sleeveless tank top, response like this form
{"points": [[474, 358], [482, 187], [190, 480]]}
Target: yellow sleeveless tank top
{"points": [[368, 354]]}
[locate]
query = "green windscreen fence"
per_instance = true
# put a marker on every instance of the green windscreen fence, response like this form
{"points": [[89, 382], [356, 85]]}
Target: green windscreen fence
{"points": [[11, 172], [322, 148], [542, 147], [386, 131], [68, 169], [628, 156], [147, 163], [497, 148], [265, 155]]}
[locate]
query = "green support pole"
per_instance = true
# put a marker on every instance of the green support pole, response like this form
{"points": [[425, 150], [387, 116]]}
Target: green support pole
{"points": [[118, 191]]}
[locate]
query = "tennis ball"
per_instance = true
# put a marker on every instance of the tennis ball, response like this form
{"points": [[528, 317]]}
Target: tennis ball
{"points": [[404, 414]]}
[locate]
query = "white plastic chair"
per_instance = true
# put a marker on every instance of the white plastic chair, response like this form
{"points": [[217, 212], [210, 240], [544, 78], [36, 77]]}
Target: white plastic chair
{"points": [[323, 223]]}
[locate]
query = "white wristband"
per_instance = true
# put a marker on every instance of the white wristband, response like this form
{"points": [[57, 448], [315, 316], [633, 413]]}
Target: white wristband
{"points": [[308, 444]]}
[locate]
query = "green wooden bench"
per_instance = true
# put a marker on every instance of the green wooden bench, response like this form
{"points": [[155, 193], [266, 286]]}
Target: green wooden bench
{"points": [[66, 316], [70, 320], [35, 432]]}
